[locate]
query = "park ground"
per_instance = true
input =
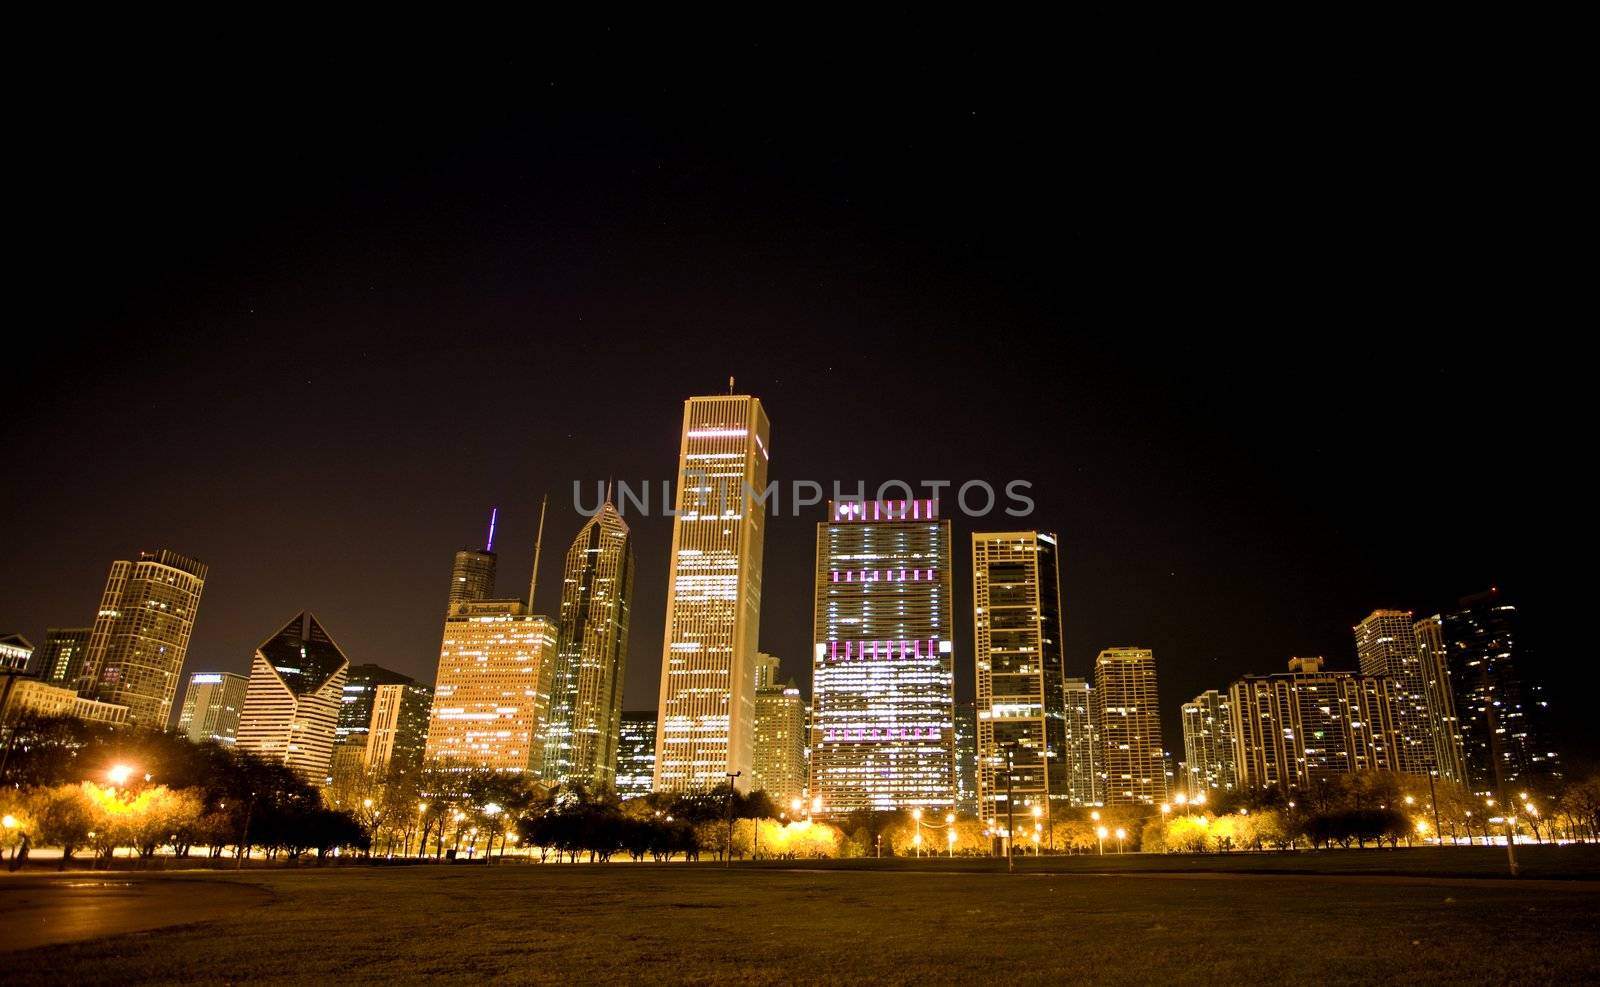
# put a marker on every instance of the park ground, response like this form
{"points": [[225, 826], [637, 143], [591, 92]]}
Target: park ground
{"points": [[1293, 918]]}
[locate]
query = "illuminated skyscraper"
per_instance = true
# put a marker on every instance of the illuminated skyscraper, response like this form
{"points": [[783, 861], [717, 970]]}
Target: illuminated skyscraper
{"points": [[291, 706], [580, 743], [1083, 746], [383, 718], [778, 758], [966, 723], [707, 707], [1290, 729], [1501, 702], [1387, 644], [1448, 744], [1208, 745], [211, 707], [1133, 765], [766, 671], [60, 658], [883, 685], [636, 754], [1016, 595], [472, 576], [492, 695], [141, 634]]}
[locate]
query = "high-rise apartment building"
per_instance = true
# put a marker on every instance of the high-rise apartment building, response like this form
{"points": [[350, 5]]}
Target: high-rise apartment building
{"points": [[1499, 695], [492, 695], [580, 743], [766, 667], [383, 719], [636, 753], [1133, 766], [1290, 729], [966, 723], [60, 658], [1082, 751], [1386, 642], [1022, 717], [141, 634], [883, 672], [1208, 745], [778, 760], [291, 706], [360, 691], [1448, 746], [211, 707], [707, 707]]}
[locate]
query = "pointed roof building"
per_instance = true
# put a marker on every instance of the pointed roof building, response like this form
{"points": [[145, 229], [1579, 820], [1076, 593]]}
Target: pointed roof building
{"points": [[291, 707]]}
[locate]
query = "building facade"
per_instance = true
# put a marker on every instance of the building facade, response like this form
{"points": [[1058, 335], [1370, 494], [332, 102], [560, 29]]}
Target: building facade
{"points": [[1386, 643], [472, 577], [397, 734], [883, 668], [1082, 752], [1449, 748], [28, 696], [1022, 717], [492, 694], [778, 761], [291, 706], [636, 753], [966, 723], [60, 658], [1291, 729], [580, 744], [16, 653], [141, 635], [707, 707], [211, 707], [1208, 767], [1499, 695], [1133, 760]]}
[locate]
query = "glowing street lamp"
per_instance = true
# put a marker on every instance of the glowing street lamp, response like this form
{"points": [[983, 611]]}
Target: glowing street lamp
{"points": [[1100, 835], [1121, 835], [119, 775], [950, 838]]}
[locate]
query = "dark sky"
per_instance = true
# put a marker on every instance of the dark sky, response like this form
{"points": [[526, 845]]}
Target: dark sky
{"points": [[1266, 371]]}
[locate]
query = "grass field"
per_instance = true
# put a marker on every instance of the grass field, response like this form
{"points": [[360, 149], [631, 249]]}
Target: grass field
{"points": [[627, 923]]}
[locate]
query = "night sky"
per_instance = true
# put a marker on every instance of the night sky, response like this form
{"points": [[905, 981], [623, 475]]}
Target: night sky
{"points": [[1265, 373]]}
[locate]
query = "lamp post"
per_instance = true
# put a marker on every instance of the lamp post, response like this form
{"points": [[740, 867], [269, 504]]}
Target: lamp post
{"points": [[728, 861], [1011, 807], [1100, 836], [1121, 835], [916, 815]]}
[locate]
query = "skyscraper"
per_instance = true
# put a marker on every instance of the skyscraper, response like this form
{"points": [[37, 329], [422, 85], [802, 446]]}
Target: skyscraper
{"points": [[883, 673], [211, 707], [492, 695], [1133, 765], [1290, 729], [357, 697], [472, 576], [1448, 747], [1082, 751], [966, 723], [580, 742], [141, 635], [778, 757], [1499, 695], [291, 706], [713, 621], [1208, 745], [60, 658], [636, 753], [383, 718], [1022, 716], [1386, 642], [766, 671]]}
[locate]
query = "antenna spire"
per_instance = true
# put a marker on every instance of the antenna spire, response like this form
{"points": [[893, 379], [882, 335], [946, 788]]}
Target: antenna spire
{"points": [[494, 515], [538, 541]]}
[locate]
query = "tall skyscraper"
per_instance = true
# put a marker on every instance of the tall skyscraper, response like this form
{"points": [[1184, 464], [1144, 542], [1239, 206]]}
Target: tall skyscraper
{"points": [[1290, 729], [1448, 746], [766, 671], [966, 723], [1499, 695], [1208, 745], [383, 719], [1387, 645], [60, 658], [1082, 751], [636, 753], [472, 576], [356, 700], [1133, 765], [580, 742], [211, 707], [492, 696], [291, 706], [1016, 595], [778, 759], [707, 707], [141, 635], [883, 672]]}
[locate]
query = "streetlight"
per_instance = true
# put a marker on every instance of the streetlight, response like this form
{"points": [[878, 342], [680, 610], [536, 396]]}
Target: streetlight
{"points": [[1121, 835], [950, 838], [119, 775], [729, 810], [1100, 835]]}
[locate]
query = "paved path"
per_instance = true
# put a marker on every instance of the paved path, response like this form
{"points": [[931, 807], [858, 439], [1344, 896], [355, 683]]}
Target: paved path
{"points": [[41, 911]]}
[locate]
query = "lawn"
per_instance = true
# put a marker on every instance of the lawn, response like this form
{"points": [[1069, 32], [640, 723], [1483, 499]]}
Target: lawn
{"points": [[627, 923]]}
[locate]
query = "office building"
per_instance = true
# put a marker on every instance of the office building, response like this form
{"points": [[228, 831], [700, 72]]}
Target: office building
{"points": [[1021, 679], [1082, 750], [141, 635], [766, 671], [211, 707], [966, 724], [1386, 643], [1208, 746], [291, 706], [580, 743], [397, 734], [636, 753], [1291, 729], [707, 707], [59, 659], [778, 758], [883, 673], [1133, 767], [492, 694], [22, 696], [472, 576]]}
